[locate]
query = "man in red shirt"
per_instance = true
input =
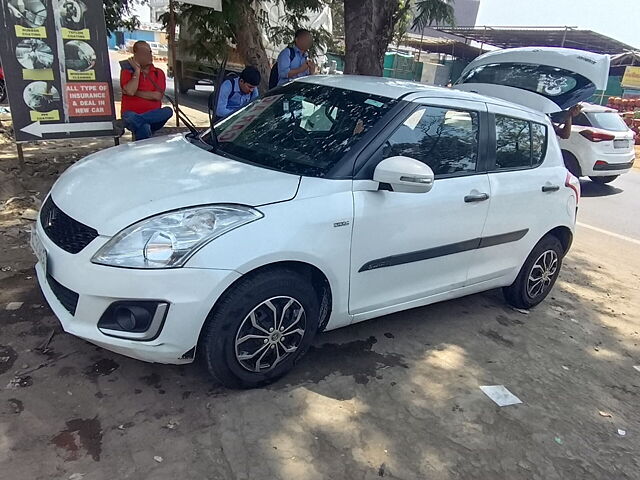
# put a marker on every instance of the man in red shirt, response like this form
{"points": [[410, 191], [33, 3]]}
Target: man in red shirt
{"points": [[143, 87]]}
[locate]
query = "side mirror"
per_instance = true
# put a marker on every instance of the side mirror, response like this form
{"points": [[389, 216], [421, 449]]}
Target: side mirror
{"points": [[405, 174]]}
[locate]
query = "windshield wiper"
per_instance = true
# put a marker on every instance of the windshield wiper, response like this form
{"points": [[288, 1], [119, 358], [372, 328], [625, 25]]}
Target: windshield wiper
{"points": [[182, 116]]}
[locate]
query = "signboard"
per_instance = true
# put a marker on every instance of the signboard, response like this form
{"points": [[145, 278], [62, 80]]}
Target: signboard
{"points": [[56, 66], [631, 78]]}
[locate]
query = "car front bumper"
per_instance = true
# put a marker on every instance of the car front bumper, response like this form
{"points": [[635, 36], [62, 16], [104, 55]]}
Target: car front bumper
{"points": [[190, 293]]}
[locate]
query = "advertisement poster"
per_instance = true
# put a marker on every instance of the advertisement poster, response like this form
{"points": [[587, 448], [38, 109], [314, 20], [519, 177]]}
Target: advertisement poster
{"points": [[56, 65]]}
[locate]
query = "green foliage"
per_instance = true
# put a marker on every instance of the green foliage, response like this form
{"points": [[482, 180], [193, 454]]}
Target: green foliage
{"points": [[212, 32], [402, 21], [434, 11], [119, 14]]}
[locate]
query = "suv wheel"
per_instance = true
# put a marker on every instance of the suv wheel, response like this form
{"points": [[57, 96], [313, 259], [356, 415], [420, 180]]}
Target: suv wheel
{"points": [[603, 180], [260, 329], [538, 274]]}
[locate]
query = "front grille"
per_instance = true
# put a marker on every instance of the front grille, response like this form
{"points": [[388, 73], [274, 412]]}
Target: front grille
{"points": [[68, 298], [67, 233]]}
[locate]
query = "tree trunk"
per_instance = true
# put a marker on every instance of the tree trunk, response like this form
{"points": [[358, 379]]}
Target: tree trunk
{"points": [[249, 45], [368, 26]]}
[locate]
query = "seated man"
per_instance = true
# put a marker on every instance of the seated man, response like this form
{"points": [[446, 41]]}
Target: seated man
{"points": [[236, 92], [143, 87]]}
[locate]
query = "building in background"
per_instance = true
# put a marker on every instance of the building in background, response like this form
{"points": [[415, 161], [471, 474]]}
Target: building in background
{"points": [[158, 8]]}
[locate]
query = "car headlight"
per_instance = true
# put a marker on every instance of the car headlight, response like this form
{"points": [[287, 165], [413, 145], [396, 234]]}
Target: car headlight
{"points": [[169, 239]]}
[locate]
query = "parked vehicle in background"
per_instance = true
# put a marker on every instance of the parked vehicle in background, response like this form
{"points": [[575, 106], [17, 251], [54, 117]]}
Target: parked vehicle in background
{"points": [[159, 50], [191, 71], [601, 145]]}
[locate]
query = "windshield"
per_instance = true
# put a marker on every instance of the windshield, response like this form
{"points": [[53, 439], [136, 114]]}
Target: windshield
{"points": [[608, 121], [563, 87], [302, 128]]}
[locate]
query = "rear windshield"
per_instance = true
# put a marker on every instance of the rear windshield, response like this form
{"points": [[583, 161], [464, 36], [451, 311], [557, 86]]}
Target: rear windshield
{"points": [[563, 87], [607, 121], [301, 128]]}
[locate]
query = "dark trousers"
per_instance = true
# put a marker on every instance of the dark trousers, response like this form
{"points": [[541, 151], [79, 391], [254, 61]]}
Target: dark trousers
{"points": [[143, 125]]}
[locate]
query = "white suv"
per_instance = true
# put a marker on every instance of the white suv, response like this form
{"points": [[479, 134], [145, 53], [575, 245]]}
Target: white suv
{"points": [[600, 146], [329, 201]]}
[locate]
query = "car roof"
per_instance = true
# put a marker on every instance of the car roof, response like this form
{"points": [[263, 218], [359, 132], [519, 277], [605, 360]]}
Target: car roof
{"points": [[398, 88], [592, 108]]}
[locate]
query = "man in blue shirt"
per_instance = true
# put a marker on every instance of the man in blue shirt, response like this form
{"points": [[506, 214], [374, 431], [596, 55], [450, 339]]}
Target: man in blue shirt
{"points": [[236, 92], [296, 63]]}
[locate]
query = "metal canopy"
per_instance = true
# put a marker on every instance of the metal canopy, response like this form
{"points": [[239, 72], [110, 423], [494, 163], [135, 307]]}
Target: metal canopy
{"points": [[513, 37]]}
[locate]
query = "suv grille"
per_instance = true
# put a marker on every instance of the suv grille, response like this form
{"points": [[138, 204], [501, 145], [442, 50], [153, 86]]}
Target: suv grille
{"points": [[68, 298], [67, 233]]}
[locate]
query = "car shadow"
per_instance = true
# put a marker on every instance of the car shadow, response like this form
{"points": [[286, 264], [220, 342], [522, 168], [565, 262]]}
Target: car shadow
{"points": [[592, 189]]}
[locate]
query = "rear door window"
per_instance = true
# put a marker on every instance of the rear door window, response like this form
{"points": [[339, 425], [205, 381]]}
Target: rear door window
{"points": [[513, 143], [538, 143], [519, 143], [581, 120]]}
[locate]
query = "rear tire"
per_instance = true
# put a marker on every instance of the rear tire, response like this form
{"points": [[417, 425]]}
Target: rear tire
{"points": [[571, 163], [603, 180], [538, 274], [260, 329]]}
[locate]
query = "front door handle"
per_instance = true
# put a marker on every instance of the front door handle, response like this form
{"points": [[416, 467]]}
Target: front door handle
{"points": [[550, 188], [479, 197]]}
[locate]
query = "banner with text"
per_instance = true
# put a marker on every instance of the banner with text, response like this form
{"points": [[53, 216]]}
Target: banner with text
{"points": [[56, 65]]}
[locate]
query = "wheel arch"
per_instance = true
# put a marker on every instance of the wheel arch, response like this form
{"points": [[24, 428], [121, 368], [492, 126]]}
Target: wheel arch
{"points": [[564, 235], [318, 280], [570, 156]]}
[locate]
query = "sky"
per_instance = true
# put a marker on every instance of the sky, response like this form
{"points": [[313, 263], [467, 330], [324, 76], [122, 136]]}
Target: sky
{"points": [[619, 19]]}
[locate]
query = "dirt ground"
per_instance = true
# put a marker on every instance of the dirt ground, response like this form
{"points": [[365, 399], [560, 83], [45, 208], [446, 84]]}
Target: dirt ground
{"points": [[396, 397]]}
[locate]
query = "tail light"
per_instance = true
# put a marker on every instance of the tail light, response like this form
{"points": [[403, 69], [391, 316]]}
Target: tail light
{"points": [[574, 184], [597, 136]]}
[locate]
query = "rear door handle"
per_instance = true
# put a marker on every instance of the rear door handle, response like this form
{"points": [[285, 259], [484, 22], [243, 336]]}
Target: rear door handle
{"points": [[479, 197], [550, 188]]}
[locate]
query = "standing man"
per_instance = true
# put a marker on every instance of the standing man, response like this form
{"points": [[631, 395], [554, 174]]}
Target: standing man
{"points": [[143, 87], [236, 92], [293, 62]]}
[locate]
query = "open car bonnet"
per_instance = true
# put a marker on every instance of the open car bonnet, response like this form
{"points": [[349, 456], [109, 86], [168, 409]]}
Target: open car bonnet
{"points": [[543, 78]]}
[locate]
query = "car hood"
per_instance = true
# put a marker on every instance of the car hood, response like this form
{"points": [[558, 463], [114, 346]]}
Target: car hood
{"points": [[117, 187]]}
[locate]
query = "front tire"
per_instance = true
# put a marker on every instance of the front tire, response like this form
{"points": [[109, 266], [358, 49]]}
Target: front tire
{"points": [[603, 180], [260, 328], [538, 274]]}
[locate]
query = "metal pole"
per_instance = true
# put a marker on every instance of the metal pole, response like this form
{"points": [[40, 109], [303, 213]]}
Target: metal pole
{"points": [[172, 46], [420, 49], [564, 37], [20, 155]]}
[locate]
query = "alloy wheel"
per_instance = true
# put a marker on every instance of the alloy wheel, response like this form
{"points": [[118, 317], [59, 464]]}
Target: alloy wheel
{"points": [[542, 273], [270, 333]]}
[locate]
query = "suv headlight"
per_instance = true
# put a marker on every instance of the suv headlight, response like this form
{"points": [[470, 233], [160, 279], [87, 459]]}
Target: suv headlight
{"points": [[169, 239]]}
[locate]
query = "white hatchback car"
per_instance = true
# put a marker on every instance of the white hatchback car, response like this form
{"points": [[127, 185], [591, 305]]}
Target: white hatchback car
{"points": [[329, 201], [600, 146]]}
